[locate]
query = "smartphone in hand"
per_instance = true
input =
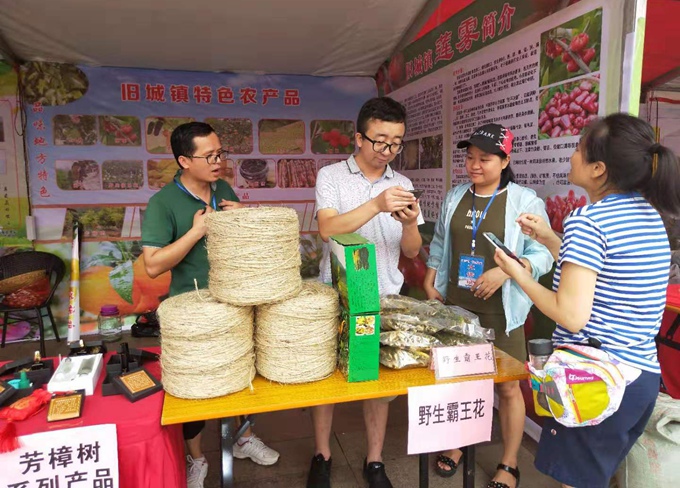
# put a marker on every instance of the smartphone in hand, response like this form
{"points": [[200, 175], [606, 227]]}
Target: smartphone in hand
{"points": [[499, 245], [417, 194]]}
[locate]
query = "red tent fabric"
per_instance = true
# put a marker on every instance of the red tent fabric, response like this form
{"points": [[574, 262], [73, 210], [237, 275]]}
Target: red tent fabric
{"points": [[445, 10], [662, 38]]}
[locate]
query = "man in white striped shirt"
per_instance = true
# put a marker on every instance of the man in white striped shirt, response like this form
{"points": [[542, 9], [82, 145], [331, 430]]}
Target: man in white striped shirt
{"points": [[365, 195]]}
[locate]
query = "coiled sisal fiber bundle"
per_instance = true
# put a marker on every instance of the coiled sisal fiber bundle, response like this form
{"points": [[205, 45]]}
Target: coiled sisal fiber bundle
{"points": [[206, 346], [254, 255], [296, 340]]}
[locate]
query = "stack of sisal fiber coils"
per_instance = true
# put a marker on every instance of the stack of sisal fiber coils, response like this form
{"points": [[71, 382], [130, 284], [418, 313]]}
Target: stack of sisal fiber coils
{"points": [[254, 255], [296, 339], [207, 346]]}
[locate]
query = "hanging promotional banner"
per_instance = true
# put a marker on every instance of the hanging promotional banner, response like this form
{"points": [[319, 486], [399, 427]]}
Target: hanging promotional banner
{"points": [[99, 147], [544, 82], [475, 27], [13, 187]]}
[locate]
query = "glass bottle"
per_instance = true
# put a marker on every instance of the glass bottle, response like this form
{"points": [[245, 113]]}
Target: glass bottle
{"points": [[110, 323]]}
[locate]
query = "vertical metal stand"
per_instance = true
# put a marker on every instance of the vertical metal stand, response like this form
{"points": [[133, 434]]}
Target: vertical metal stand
{"points": [[423, 470], [229, 435], [469, 466]]}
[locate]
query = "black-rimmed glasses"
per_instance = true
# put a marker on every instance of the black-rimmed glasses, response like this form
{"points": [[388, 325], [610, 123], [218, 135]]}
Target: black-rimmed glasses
{"points": [[213, 158], [380, 146]]}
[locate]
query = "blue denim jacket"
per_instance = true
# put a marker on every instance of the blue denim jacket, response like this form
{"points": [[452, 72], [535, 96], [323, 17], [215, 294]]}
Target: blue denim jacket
{"points": [[520, 200]]}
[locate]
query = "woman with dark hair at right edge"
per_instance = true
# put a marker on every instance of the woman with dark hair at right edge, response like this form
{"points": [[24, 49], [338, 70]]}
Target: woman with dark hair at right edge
{"points": [[609, 287]]}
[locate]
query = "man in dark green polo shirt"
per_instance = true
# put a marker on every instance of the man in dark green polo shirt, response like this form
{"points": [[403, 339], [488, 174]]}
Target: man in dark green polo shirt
{"points": [[173, 238]]}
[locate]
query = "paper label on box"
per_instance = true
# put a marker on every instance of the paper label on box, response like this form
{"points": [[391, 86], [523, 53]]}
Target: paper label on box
{"points": [[454, 361], [365, 325], [359, 347]]}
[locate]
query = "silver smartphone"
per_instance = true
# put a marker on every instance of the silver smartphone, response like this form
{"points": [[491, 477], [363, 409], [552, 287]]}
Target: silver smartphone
{"points": [[499, 245]]}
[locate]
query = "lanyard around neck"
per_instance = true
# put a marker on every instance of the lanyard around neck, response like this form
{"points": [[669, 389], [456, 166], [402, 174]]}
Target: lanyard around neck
{"points": [[185, 190], [475, 222]]}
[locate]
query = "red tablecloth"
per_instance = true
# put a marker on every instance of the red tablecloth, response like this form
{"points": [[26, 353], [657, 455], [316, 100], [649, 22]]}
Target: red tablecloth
{"points": [[149, 455]]}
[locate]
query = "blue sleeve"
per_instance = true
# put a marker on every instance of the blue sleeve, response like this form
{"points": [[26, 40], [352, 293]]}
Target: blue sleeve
{"points": [[437, 244], [537, 254]]}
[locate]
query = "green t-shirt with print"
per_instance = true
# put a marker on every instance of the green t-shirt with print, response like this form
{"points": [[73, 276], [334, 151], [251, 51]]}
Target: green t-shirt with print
{"points": [[168, 216]]}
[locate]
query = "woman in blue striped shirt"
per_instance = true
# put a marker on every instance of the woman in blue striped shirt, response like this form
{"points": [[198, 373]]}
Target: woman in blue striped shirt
{"points": [[610, 285]]}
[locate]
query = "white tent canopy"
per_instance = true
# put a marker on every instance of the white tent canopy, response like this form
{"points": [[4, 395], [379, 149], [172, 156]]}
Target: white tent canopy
{"points": [[324, 38]]}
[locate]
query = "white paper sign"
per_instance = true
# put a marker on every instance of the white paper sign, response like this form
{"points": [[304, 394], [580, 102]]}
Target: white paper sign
{"points": [[84, 457], [454, 361], [449, 416]]}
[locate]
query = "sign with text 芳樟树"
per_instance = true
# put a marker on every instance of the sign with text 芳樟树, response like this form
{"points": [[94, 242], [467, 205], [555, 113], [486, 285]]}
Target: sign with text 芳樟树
{"points": [[85, 456]]}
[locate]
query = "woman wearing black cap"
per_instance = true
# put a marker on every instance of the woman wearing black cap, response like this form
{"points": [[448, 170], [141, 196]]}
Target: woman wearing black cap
{"points": [[461, 271]]}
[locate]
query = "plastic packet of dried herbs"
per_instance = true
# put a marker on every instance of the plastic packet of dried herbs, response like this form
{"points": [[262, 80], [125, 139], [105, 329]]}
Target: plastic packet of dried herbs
{"points": [[399, 358], [457, 319], [410, 323], [391, 304], [400, 338]]}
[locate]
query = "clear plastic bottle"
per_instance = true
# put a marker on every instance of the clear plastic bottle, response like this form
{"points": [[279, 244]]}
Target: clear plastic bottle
{"points": [[110, 323], [539, 352]]}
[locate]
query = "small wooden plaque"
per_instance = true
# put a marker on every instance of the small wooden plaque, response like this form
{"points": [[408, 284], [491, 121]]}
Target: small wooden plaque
{"points": [[65, 407], [137, 384]]}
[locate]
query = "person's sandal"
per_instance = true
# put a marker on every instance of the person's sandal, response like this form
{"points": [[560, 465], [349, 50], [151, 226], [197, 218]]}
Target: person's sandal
{"points": [[512, 471], [445, 473]]}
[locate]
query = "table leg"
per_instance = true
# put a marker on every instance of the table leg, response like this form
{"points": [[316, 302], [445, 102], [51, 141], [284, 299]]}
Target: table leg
{"points": [[469, 466], [423, 471], [228, 436]]}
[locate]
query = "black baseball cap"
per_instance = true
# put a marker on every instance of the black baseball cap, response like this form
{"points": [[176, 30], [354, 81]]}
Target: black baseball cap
{"points": [[490, 138]]}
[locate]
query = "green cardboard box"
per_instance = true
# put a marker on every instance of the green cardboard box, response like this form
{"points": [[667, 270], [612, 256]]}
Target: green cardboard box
{"points": [[355, 274], [359, 346]]}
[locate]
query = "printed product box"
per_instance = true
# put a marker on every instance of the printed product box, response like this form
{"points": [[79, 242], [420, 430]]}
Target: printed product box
{"points": [[355, 274], [359, 346]]}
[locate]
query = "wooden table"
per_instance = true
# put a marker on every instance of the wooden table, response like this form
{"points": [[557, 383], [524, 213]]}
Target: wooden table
{"points": [[270, 397]]}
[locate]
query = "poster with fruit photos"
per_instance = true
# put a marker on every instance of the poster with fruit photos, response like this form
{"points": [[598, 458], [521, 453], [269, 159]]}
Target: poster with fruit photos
{"points": [[544, 82], [422, 159], [98, 143]]}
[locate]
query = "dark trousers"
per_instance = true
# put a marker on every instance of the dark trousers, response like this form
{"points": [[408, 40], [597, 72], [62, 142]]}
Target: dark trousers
{"points": [[192, 429]]}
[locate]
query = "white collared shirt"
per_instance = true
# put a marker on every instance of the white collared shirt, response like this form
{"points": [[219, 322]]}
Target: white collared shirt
{"points": [[343, 187]]}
